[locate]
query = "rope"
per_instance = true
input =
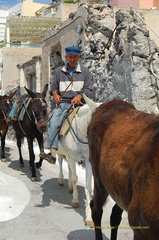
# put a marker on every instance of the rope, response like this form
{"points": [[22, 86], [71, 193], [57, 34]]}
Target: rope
{"points": [[22, 128], [78, 126], [75, 133], [81, 141]]}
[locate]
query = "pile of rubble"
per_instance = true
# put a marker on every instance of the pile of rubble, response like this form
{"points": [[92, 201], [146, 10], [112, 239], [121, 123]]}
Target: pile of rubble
{"points": [[121, 56]]}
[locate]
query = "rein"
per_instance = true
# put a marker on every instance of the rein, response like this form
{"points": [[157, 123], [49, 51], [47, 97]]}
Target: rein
{"points": [[77, 137]]}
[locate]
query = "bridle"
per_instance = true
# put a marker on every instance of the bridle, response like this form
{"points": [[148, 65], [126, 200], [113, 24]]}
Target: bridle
{"points": [[32, 113]]}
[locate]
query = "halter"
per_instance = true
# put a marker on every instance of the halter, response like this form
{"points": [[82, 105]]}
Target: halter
{"points": [[35, 120]]}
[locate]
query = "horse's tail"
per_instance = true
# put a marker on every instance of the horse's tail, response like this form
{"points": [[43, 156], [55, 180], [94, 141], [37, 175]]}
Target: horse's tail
{"points": [[92, 105]]}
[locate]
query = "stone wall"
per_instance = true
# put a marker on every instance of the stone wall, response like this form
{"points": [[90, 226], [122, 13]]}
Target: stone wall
{"points": [[117, 49], [11, 58], [120, 64]]}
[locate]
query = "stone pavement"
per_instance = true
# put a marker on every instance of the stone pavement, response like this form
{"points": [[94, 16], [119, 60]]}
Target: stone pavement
{"points": [[42, 210]]}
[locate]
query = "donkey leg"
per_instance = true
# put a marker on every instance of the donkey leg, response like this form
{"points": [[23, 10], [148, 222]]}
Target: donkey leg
{"points": [[96, 204], [19, 143], [70, 185], [88, 192], [32, 158], [115, 220], [72, 165], [40, 140], [3, 136], [61, 176]]}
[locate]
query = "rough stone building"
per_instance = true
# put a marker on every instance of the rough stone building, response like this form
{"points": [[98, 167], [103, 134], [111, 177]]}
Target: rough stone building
{"points": [[116, 47], [30, 74], [14, 69]]}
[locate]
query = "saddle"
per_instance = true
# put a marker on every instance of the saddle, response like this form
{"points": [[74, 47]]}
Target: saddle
{"points": [[19, 108], [67, 120]]}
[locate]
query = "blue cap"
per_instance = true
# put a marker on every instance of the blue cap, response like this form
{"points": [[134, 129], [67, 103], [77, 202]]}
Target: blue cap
{"points": [[72, 50]]}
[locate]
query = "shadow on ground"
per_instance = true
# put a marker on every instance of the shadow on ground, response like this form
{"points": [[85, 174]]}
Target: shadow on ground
{"points": [[83, 235], [52, 191], [26, 170]]}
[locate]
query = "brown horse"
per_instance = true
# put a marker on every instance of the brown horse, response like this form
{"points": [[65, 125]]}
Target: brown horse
{"points": [[33, 125], [124, 154], [5, 107]]}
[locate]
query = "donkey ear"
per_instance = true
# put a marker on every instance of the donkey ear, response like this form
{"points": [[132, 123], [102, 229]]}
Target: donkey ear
{"points": [[12, 94], [30, 93], [45, 90]]}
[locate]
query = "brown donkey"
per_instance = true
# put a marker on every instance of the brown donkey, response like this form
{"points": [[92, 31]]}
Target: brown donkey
{"points": [[124, 154], [6, 103]]}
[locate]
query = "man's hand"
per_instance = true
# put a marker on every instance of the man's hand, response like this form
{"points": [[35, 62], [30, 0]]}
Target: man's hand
{"points": [[57, 97], [77, 99]]}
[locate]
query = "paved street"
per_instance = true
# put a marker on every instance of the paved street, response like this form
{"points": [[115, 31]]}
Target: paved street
{"points": [[42, 210]]}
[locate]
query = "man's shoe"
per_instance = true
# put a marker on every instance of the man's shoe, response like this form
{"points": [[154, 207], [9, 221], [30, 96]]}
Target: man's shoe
{"points": [[48, 157]]}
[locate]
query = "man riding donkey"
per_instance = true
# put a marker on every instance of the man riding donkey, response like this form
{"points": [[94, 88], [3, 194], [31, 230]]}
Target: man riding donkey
{"points": [[67, 86]]}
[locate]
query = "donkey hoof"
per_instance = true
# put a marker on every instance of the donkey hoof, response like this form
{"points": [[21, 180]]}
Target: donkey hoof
{"points": [[61, 182], [75, 205], [38, 165], [33, 179], [89, 223], [4, 160]]}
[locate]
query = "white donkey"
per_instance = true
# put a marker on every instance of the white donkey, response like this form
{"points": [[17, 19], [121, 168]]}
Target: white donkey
{"points": [[74, 146]]}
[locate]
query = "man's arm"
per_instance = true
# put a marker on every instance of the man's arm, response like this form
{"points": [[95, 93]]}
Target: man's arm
{"points": [[57, 97], [77, 99]]}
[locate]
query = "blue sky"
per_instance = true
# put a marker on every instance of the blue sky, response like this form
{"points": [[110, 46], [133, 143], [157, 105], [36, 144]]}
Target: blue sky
{"points": [[11, 3]]}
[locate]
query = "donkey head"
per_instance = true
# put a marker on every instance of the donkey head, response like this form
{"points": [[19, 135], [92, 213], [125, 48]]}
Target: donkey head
{"points": [[6, 103], [39, 108]]}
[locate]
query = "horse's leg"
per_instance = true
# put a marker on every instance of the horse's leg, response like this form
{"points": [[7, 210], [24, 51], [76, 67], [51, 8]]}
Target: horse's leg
{"points": [[72, 165], [31, 158], [61, 176], [40, 140], [19, 143], [115, 220], [88, 192], [3, 136], [70, 186], [96, 204]]}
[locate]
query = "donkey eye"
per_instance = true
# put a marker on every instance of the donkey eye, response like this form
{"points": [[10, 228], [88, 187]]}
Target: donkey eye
{"points": [[33, 107]]}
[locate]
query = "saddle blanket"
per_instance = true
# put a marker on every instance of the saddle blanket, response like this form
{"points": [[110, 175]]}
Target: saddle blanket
{"points": [[18, 110], [65, 126]]}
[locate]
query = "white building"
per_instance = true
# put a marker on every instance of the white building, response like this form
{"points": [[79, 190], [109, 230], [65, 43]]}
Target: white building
{"points": [[26, 8], [3, 16]]}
